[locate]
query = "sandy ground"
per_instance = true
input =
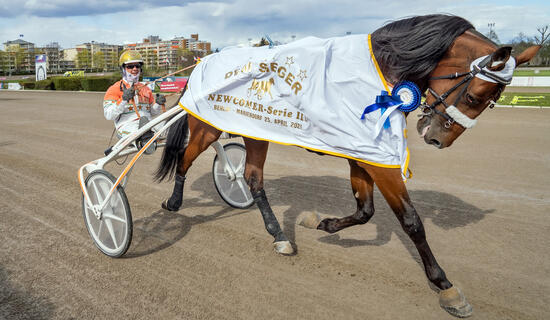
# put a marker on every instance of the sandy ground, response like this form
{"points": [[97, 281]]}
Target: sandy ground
{"points": [[484, 202]]}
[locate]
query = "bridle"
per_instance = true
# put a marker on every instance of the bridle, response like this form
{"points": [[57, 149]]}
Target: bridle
{"points": [[428, 110]]}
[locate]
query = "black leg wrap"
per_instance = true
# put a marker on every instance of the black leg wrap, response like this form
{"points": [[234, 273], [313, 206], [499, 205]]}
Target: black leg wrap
{"points": [[271, 224], [174, 203]]}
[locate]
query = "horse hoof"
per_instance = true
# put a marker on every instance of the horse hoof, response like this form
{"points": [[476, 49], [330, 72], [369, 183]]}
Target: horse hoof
{"points": [[165, 206], [310, 220], [283, 247], [454, 302]]}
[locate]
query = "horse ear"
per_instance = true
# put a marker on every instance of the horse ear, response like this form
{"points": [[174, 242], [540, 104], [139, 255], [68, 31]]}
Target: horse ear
{"points": [[527, 54], [499, 58]]}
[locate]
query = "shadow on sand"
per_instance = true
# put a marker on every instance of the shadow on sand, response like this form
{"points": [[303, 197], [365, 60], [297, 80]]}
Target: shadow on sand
{"points": [[16, 303], [327, 195]]}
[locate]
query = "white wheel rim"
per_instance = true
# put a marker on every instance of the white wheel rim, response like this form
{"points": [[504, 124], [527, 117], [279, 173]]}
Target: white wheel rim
{"points": [[111, 232], [236, 192]]}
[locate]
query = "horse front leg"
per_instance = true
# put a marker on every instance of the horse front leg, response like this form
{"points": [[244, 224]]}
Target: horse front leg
{"points": [[391, 185], [256, 152], [362, 186], [201, 136]]}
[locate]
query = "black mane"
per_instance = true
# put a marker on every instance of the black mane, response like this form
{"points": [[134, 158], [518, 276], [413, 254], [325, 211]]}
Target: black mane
{"points": [[411, 48]]}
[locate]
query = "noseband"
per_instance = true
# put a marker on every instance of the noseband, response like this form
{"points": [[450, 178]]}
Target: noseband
{"points": [[452, 113]]}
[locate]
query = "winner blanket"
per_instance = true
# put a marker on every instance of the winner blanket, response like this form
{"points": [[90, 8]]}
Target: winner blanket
{"points": [[309, 93]]}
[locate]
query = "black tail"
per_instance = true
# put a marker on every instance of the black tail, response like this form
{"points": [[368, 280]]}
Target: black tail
{"points": [[174, 149]]}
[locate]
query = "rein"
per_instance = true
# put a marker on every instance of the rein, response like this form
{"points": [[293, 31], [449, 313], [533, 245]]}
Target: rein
{"points": [[452, 114]]}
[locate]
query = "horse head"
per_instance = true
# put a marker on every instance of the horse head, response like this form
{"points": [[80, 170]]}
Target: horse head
{"points": [[470, 77]]}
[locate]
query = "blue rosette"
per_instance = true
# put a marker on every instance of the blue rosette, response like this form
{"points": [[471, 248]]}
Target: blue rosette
{"points": [[409, 95]]}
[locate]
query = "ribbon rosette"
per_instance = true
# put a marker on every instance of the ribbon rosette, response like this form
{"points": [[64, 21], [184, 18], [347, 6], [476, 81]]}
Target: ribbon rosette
{"points": [[405, 97]]}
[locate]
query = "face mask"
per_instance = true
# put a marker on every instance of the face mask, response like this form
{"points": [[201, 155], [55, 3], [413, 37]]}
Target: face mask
{"points": [[130, 78], [505, 73]]}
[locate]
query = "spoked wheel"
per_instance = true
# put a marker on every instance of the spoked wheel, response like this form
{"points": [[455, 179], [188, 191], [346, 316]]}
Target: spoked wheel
{"points": [[112, 233], [233, 191]]}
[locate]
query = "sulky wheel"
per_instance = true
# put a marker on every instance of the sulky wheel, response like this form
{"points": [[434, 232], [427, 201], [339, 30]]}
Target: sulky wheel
{"points": [[233, 191], [112, 233]]}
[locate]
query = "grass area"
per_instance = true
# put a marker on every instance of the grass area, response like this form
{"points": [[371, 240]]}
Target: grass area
{"points": [[525, 99], [531, 73]]}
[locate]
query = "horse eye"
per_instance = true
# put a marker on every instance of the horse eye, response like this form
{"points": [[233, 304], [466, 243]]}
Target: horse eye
{"points": [[470, 99]]}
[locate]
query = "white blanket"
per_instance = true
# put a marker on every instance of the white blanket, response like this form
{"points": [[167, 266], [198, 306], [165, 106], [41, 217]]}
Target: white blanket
{"points": [[309, 93]]}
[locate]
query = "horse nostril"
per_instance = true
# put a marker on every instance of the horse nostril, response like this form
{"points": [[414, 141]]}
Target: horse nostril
{"points": [[435, 143]]}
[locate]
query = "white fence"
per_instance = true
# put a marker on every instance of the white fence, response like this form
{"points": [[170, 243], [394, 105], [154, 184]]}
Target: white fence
{"points": [[530, 82]]}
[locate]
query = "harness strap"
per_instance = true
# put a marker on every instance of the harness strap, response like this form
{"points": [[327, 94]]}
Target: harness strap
{"points": [[132, 102], [450, 76], [468, 76]]}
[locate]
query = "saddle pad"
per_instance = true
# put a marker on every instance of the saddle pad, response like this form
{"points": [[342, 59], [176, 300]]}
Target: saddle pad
{"points": [[309, 93]]}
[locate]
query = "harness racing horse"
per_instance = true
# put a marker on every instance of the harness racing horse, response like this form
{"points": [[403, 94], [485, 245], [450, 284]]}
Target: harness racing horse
{"points": [[459, 71]]}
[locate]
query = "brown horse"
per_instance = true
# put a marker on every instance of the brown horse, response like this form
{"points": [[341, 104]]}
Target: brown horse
{"points": [[436, 53]]}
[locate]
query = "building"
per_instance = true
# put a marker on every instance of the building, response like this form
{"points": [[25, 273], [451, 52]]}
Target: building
{"points": [[66, 65], [194, 44], [95, 55], [18, 44], [165, 53], [68, 59], [53, 54], [19, 55]]}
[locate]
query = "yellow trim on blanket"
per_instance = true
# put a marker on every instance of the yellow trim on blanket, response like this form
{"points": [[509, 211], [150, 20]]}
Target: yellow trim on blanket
{"points": [[393, 166], [406, 167], [378, 68]]}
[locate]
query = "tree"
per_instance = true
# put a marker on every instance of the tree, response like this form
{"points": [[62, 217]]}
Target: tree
{"points": [[83, 59], [99, 60], [20, 56], [5, 64], [542, 40], [544, 54], [184, 57], [521, 42], [111, 61], [492, 35], [8, 62], [544, 34], [150, 59]]}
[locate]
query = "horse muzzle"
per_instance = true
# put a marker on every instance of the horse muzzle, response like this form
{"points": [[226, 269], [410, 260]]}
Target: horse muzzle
{"points": [[427, 131]]}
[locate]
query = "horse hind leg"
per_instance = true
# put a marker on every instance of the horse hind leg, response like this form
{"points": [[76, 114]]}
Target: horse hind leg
{"points": [[256, 152], [201, 136], [362, 186]]}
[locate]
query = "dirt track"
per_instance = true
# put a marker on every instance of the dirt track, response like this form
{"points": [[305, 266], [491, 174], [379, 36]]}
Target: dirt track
{"points": [[484, 202]]}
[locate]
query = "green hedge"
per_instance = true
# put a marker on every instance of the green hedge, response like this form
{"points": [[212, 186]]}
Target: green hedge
{"points": [[44, 85], [27, 84], [68, 83], [98, 83]]}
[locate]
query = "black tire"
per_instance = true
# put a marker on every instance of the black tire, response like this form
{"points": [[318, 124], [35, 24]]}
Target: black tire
{"points": [[119, 212]]}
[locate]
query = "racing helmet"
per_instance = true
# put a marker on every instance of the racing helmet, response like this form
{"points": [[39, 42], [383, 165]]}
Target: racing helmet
{"points": [[130, 56]]}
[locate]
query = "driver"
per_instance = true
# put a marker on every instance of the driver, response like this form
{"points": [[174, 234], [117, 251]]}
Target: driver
{"points": [[128, 102]]}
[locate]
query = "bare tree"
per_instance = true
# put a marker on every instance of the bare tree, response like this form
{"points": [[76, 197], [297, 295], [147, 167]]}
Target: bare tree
{"points": [[544, 35]]}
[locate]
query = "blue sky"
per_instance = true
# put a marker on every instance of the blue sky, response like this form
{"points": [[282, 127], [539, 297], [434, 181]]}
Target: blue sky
{"points": [[71, 22]]}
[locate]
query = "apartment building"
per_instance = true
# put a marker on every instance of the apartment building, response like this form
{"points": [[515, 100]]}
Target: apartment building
{"points": [[96, 55], [19, 54], [164, 53], [53, 54]]}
